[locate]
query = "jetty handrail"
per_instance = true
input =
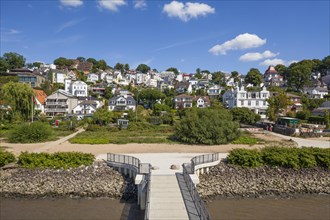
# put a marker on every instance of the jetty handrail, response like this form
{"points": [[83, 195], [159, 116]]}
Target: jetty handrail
{"points": [[206, 158], [199, 203], [124, 159], [147, 212]]}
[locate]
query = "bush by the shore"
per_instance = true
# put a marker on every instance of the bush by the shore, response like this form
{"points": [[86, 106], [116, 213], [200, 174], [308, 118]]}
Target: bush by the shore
{"points": [[281, 157], [57, 160], [6, 157], [30, 133]]}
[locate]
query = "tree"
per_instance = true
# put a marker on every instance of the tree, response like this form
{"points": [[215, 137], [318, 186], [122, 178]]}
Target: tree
{"points": [[235, 76], [143, 68], [300, 74], [119, 66], [244, 115], [174, 70], [282, 70], [11, 60], [198, 70], [101, 64], [81, 59], [92, 60], [37, 64], [102, 116], [276, 106], [219, 78], [150, 96], [126, 67], [158, 108], [253, 77], [19, 96], [206, 126], [108, 92], [63, 62]]}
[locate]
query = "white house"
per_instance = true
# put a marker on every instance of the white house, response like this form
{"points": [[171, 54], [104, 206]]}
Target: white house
{"points": [[183, 101], [92, 77], [60, 102], [79, 89], [58, 77], [85, 107], [202, 101], [214, 91], [151, 83], [122, 103], [316, 92], [254, 100]]}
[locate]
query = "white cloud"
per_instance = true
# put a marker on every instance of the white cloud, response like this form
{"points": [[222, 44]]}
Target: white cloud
{"points": [[257, 56], [140, 3], [71, 3], [272, 62], [68, 24], [111, 5], [187, 11], [240, 42]]}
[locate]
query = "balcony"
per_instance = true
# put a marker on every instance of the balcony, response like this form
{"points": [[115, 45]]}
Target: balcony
{"points": [[64, 110], [56, 103]]}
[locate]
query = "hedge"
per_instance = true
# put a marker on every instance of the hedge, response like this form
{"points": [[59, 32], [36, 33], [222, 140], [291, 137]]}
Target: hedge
{"points": [[58, 160], [281, 156], [6, 158]]}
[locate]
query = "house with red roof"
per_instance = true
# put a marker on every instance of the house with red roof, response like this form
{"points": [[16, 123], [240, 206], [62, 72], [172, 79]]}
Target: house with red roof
{"points": [[39, 100]]}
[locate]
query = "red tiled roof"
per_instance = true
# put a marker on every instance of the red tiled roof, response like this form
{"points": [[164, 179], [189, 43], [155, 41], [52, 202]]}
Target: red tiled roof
{"points": [[40, 95]]}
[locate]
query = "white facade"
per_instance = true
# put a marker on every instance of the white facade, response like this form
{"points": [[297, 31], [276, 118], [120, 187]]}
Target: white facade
{"points": [[79, 89], [255, 100], [316, 92], [92, 77], [84, 109], [59, 77]]}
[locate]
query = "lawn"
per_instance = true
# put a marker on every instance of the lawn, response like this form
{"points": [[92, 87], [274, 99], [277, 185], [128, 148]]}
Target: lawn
{"points": [[157, 134]]}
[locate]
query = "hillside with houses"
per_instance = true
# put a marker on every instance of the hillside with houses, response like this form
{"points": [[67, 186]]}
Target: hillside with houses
{"points": [[79, 87]]}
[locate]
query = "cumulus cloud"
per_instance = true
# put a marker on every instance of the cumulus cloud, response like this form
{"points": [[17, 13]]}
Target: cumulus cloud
{"points": [[272, 62], [111, 5], [140, 4], [187, 11], [71, 3], [240, 42], [257, 56]]}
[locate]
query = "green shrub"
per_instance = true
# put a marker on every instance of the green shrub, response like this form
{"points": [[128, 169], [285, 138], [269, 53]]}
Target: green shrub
{"points": [[94, 127], [306, 157], [89, 140], [245, 140], [6, 157], [322, 156], [281, 156], [58, 160], [30, 133], [245, 157]]}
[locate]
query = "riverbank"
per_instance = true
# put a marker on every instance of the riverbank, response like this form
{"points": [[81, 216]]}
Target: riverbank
{"points": [[229, 181], [94, 181]]}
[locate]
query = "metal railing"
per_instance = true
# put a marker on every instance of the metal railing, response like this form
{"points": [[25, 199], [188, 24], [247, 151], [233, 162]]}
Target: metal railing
{"points": [[199, 203], [146, 213], [124, 159], [207, 158]]}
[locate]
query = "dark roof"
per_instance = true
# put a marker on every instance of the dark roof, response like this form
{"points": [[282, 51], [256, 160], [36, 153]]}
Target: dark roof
{"points": [[183, 96]]}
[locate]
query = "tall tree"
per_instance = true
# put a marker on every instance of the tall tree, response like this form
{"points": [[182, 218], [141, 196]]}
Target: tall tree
{"points": [[126, 67], [101, 64], [277, 105], [300, 74], [143, 68], [174, 70], [254, 77], [235, 76], [92, 60], [19, 96], [219, 78], [62, 62], [150, 96], [11, 60], [119, 66], [198, 70], [282, 70], [81, 59]]}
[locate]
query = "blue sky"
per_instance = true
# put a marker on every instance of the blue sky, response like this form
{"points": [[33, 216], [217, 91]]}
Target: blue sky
{"points": [[214, 35]]}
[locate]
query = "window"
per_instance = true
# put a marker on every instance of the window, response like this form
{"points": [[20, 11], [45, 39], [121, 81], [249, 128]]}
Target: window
{"points": [[249, 103], [257, 103], [242, 103], [264, 103]]}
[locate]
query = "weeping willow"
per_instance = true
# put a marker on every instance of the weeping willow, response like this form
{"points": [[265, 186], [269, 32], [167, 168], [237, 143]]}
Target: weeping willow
{"points": [[19, 97]]}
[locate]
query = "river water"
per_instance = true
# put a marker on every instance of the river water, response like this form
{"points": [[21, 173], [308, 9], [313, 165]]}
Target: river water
{"points": [[316, 207], [68, 209], [302, 208]]}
